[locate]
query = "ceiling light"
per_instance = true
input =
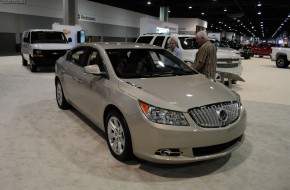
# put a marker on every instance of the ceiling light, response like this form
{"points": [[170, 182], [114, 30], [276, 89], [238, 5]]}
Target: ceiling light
{"points": [[225, 10], [259, 13], [202, 13], [259, 4], [148, 2], [190, 7]]}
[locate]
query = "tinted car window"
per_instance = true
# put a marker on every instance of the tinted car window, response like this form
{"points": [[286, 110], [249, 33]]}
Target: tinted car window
{"points": [[145, 39], [188, 43], [146, 63], [47, 37], [159, 41], [95, 58], [76, 56]]}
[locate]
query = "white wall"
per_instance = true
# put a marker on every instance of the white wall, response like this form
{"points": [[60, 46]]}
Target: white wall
{"points": [[110, 15], [46, 8], [188, 25]]}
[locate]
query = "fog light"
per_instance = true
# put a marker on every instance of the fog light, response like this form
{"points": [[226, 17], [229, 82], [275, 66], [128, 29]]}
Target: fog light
{"points": [[168, 152]]}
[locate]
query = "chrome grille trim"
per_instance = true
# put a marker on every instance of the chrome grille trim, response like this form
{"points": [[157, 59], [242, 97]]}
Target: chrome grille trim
{"points": [[216, 115]]}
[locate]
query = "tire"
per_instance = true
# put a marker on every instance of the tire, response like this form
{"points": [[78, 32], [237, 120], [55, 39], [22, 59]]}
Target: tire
{"points": [[24, 61], [282, 62], [118, 136], [60, 98], [33, 67], [260, 55], [247, 57]]}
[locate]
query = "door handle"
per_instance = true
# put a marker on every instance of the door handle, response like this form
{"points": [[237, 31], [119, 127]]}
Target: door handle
{"points": [[77, 79]]}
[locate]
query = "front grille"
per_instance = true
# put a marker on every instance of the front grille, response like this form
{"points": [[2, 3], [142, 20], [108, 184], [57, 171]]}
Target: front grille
{"points": [[228, 63], [215, 115], [53, 53], [215, 149], [233, 65]]}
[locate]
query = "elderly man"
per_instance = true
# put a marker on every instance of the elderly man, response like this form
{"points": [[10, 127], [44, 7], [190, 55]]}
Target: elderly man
{"points": [[206, 58]]}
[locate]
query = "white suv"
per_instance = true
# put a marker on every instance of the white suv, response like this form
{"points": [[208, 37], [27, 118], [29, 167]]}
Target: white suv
{"points": [[227, 61], [41, 47]]}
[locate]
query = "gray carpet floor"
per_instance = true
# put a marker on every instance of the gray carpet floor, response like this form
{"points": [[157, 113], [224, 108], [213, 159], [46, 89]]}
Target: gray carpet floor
{"points": [[45, 148]]}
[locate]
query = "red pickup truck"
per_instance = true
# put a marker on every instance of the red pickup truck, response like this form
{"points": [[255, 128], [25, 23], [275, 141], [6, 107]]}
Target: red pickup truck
{"points": [[262, 49]]}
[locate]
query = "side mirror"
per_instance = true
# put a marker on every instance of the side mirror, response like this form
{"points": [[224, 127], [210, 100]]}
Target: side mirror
{"points": [[94, 69], [69, 40]]}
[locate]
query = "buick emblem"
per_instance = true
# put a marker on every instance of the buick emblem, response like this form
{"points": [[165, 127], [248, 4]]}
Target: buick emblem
{"points": [[222, 115]]}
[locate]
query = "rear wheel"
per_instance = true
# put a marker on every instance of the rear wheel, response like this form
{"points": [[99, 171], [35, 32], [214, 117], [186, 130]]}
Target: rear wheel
{"points": [[60, 98], [118, 136], [282, 62]]}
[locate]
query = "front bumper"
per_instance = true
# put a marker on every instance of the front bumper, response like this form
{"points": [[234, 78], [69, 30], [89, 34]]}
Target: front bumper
{"points": [[188, 143]]}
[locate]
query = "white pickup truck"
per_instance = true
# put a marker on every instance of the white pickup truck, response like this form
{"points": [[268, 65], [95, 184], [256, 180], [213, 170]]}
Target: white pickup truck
{"points": [[281, 55]]}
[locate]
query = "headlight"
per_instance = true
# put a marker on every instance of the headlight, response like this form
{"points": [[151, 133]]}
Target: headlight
{"points": [[238, 97], [37, 53], [163, 116]]}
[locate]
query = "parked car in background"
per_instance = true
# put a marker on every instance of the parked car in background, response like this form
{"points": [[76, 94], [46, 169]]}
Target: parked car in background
{"points": [[262, 49], [42, 47], [159, 112], [224, 46], [246, 52], [281, 55], [227, 61]]}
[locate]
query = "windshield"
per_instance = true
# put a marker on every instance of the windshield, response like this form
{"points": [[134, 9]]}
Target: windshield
{"points": [[188, 43], [47, 37], [146, 63]]}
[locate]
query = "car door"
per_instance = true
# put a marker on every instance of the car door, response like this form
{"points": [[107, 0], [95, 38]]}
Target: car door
{"points": [[72, 74], [93, 89]]}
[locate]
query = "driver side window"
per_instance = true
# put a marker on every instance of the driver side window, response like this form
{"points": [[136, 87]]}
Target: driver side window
{"points": [[76, 56], [96, 59]]}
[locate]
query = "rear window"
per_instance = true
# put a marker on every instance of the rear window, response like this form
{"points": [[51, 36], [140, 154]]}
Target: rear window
{"points": [[159, 41], [188, 43], [144, 39]]}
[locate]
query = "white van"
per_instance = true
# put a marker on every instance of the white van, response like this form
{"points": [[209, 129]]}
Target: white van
{"points": [[42, 47]]}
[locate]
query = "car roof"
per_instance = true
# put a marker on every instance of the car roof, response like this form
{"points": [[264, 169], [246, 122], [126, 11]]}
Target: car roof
{"points": [[177, 35], [42, 30], [121, 45]]}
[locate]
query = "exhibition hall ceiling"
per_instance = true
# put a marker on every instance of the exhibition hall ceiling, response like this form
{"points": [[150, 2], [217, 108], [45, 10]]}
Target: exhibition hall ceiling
{"points": [[265, 18]]}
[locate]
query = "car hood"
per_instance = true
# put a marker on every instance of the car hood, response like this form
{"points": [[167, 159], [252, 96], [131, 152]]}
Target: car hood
{"points": [[178, 92], [189, 54], [52, 46], [227, 49]]}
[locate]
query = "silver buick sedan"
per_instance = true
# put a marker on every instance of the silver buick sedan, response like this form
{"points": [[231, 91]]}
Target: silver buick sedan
{"points": [[149, 103]]}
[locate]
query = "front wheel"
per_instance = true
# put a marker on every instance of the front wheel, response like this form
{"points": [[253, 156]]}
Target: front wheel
{"points": [[24, 61], [118, 136], [282, 62], [33, 67], [60, 98]]}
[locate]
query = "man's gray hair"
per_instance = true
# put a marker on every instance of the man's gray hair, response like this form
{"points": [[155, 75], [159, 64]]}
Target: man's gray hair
{"points": [[202, 34]]}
